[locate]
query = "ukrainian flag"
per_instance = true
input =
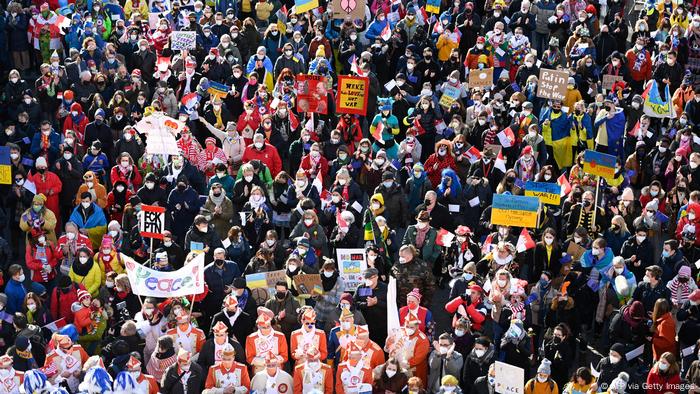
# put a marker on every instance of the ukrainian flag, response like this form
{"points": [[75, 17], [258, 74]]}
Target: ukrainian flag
{"points": [[5, 166], [301, 6], [559, 133], [256, 281]]}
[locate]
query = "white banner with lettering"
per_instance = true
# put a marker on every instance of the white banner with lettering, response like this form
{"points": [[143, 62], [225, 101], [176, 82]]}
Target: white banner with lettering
{"points": [[148, 282]]}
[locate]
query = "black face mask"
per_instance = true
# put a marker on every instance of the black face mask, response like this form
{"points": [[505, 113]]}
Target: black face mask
{"points": [[41, 170], [181, 186], [219, 262], [587, 203], [280, 295]]}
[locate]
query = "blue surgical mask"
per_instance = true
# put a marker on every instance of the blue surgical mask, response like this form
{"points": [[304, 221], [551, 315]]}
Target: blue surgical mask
{"points": [[468, 276], [388, 184], [665, 253]]}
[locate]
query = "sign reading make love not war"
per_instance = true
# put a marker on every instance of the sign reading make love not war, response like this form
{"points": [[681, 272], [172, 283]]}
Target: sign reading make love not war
{"points": [[152, 221], [510, 210], [353, 8], [312, 95], [552, 84], [180, 40], [600, 164], [352, 95], [148, 282], [548, 193], [351, 264]]}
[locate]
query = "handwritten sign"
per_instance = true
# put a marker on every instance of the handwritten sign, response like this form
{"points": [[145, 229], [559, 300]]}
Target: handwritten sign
{"points": [[548, 193], [342, 8], [308, 283], [510, 210], [152, 221], [352, 95], [351, 264], [600, 164], [609, 80], [509, 379], [450, 94], [312, 95], [552, 84], [481, 78], [148, 282], [180, 40], [262, 284]]}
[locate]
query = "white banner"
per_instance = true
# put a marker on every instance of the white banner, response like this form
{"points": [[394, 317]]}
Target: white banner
{"points": [[509, 379], [352, 263], [160, 131], [148, 282], [392, 310]]}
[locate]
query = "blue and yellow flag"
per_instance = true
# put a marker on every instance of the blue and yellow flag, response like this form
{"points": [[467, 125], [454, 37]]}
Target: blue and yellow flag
{"points": [[301, 6], [654, 105], [5, 166]]}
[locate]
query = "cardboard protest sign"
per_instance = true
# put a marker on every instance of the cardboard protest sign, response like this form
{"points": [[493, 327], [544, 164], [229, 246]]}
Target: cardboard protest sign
{"points": [[481, 78], [609, 80], [509, 379], [548, 193], [262, 284], [308, 283], [511, 210], [552, 84], [343, 8], [352, 95], [312, 95], [148, 282], [351, 264], [575, 250], [152, 221], [180, 40]]}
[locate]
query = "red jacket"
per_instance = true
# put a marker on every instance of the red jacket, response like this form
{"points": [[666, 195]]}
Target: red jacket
{"points": [[79, 128], [664, 339], [267, 155], [46, 183], [435, 174], [61, 302], [53, 255], [476, 317], [640, 69], [311, 172], [658, 384], [131, 178]]}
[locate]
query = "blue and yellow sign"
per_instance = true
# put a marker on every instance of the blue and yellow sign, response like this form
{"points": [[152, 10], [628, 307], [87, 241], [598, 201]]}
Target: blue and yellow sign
{"points": [[519, 211], [548, 193]]}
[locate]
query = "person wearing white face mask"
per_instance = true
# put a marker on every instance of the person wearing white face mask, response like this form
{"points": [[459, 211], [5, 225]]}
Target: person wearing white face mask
{"points": [[542, 382], [412, 344], [392, 378], [264, 152], [422, 236], [309, 226], [85, 271]]}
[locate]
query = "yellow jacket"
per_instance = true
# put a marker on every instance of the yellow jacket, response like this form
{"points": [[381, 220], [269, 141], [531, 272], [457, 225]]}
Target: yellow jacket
{"points": [[445, 46], [141, 9], [572, 96], [92, 281], [263, 10], [535, 387]]}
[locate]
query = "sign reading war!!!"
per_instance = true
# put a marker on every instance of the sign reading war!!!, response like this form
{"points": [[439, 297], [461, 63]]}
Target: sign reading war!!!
{"points": [[148, 282], [552, 84], [519, 211], [548, 193]]}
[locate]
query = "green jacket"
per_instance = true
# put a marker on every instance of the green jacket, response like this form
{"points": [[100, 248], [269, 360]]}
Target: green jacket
{"points": [[430, 250]]}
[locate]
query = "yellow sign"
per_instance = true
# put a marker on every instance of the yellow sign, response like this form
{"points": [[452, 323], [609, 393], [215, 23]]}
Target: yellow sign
{"points": [[514, 218], [5, 175]]}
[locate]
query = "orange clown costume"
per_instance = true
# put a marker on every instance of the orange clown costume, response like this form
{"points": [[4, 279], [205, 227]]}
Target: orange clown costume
{"points": [[372, 354], [352, 373], [65, 362], [411, 348], [313, 375], [228, 374], [10, 380], [185, 335], [265, 340], [145, 384], [308, 336], [340, 336], [272, 379]]}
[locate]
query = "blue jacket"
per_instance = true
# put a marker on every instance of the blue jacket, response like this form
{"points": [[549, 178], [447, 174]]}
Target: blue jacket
{"points": [[217, 280], [54, 142], [96, 219], [374, 29], [16, 292], [182, 219]]}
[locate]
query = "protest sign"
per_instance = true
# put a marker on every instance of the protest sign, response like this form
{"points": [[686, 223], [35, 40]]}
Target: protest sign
{"points": [[148, 282], [450, 94], [354, 8], [575, 250], [481, 78], [352, 95], [351, 264], [152, 221], [262, 284], [654, 105], [5, 166], [548, 193], [609, 80], [552, 84], [308, 283], [180, 40], [218, 89], [510, 210], [600, 164], [312, 95], [509, 379]]}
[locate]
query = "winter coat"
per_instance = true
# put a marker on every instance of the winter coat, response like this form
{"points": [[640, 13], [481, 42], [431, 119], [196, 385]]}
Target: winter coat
{"points": [[91, 281], [430, 251], [182, 218], [221, 222], [53, 255]]}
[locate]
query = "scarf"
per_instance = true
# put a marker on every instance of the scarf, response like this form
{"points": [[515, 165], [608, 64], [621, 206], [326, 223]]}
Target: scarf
{"points": [[82, 269], [328, 283], [242, 300], [600, 309], [518, 310], [217, 200], [219, 124], [420, 236]]}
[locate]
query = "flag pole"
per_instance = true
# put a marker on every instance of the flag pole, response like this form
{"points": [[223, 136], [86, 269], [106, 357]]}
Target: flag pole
{"points": [[595, 205]]}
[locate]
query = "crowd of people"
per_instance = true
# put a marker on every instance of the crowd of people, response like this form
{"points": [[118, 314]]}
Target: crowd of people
{"points": [[600, 295]]}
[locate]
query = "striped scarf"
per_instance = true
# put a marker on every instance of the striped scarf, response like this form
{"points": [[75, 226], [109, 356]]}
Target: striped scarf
{"points": [[679, 291]]}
